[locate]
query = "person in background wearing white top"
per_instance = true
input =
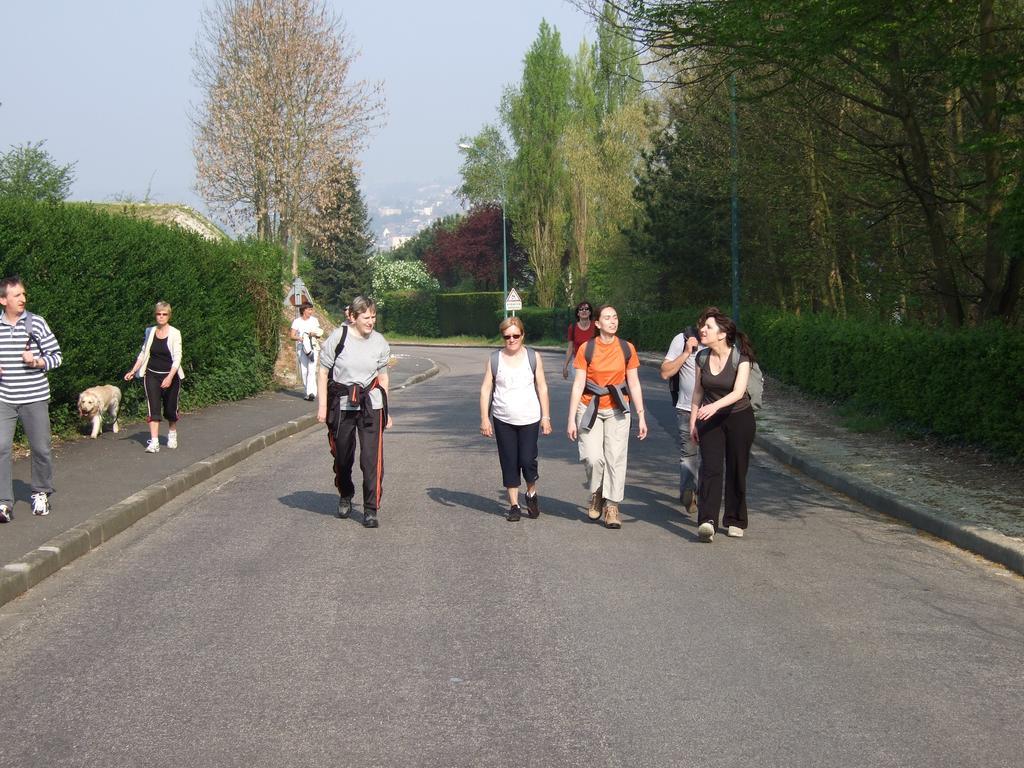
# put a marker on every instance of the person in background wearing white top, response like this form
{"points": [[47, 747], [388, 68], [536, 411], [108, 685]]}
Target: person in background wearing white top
{"points": [[520, 410], [306, 332], [679, 361]]}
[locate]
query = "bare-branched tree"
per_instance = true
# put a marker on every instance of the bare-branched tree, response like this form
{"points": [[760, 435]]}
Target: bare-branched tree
{"points": [[278, 114]]}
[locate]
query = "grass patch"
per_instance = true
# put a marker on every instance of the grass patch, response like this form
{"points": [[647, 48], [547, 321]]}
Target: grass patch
{"points": [[856, 420]]}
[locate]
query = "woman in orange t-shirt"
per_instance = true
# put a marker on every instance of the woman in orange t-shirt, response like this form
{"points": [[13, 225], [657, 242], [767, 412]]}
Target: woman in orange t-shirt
{"points": [[603, 426]]}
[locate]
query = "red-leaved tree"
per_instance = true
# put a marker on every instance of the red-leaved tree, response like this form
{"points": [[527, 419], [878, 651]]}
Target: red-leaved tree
{"points": [[469, 256]]}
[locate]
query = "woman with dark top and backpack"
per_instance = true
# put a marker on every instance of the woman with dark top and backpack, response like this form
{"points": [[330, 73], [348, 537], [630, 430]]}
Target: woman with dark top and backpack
{"points": [[580, 332], [605, 386], [515, 394], [722, 422]]}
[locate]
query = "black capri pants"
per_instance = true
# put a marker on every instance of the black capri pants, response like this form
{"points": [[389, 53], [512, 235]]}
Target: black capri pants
{"points": [[517, 452], [725, 441], [157, 398]]}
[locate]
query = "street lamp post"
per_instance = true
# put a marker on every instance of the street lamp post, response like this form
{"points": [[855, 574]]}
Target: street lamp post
{"points": [[735, 206], [504, 241]]}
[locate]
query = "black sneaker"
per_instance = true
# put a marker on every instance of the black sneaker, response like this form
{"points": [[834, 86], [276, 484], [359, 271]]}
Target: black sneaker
{"points": [[370, 520], [513, 514], [344, 508], [6, 513], [532, 506]]}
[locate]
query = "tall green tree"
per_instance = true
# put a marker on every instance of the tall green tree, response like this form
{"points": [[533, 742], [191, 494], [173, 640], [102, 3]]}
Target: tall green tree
{"points": [[30, 172], [341, 261], [926, 94], [536, 114], [604, 140]]}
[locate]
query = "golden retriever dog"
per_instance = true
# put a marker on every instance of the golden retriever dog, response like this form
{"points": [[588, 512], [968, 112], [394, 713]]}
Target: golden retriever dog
{"points": [[94, 402]]}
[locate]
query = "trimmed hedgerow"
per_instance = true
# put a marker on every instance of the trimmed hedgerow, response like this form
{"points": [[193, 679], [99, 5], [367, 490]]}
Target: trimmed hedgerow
{"points": [[468, 314], [960, 384], [413, 313], [95, 278]]}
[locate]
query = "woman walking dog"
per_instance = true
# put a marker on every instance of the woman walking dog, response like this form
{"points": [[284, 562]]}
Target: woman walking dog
{"points": [[159, 365], [515, 393]]}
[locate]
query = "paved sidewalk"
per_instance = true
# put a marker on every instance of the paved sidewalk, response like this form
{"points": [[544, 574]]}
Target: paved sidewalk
{"points": [[106, 484]]}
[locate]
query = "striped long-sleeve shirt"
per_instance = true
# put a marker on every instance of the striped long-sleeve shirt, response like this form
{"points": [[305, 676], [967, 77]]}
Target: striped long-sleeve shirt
{"points": [[18, 382]]}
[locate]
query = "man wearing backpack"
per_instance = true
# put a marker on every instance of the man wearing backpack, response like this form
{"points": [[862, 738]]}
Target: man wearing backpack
{"points": [[28, 349], [678, 367]]}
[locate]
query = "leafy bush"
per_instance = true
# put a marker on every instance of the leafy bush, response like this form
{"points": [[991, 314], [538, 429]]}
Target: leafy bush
{"points": [[542, 322], [392, 276], [95, 278], [962, 384], [469, 314], [413, 313]]}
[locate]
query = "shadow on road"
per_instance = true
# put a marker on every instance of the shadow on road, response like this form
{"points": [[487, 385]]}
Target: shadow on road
{"points": [[312, 501]]}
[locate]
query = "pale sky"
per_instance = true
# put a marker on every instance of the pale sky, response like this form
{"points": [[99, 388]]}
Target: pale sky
{"points": [[107, 83]]}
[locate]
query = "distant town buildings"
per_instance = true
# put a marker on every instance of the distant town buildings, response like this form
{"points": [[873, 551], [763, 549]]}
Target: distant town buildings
{"points": [[402, 211]]}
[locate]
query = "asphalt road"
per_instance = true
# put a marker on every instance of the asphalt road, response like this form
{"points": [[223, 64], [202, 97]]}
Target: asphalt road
{"points": [[244, 625]]}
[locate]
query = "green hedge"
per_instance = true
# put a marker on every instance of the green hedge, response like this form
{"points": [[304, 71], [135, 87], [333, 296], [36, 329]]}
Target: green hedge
{"points": [[963, 384], [95, 278], [541, 323], [413, 313], [469, 314]]}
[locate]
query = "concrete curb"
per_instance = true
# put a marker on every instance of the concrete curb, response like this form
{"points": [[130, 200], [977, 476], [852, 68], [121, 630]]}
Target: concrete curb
{"points": [[990, 544], [18, 577]]}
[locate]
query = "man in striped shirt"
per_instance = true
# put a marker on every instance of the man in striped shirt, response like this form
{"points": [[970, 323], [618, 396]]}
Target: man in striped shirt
{"points": [[28, 349]]}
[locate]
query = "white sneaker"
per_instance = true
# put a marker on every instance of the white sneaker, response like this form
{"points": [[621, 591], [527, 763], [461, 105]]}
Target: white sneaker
{"points": [[172, 439], [153, 446], [6, 513], [40, 504], [706, 531], [735, 531]]}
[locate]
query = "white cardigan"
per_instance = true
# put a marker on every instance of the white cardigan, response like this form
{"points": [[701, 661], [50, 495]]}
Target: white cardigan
{"points": [[173, 343]]}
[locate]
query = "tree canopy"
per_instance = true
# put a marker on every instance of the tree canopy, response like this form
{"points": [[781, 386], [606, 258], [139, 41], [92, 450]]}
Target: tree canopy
{"points": [[29, 172]]}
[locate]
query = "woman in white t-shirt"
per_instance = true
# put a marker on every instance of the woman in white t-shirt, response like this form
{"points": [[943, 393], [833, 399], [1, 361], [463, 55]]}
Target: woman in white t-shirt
{"points": [[520, 410], [306, 331]]}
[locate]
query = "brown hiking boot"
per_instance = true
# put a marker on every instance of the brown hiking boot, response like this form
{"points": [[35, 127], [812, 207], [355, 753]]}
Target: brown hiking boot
{"points": [[596, 500], [611, 515]]}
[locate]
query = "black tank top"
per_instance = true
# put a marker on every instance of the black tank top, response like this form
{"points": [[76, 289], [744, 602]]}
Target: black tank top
{"points": [[159, 356]]}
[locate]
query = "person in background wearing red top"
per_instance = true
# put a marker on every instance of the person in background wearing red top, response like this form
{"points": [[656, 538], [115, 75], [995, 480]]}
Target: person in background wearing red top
{"points": [[602, 426], [580, 332]]}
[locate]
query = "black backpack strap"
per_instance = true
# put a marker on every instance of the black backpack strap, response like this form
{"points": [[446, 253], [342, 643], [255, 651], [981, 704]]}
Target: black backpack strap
{"points": [[626, 351], [588, 351], [341, 342], [702, 358], [29, 320], [494, 364], [531, 356]]}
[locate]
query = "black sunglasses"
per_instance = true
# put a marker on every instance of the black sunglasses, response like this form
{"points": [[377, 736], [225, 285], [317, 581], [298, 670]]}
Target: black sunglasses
{"points": [[513, 336]]}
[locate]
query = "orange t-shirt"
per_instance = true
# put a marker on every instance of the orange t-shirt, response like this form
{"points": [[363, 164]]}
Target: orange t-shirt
{"points": [[607, 368]]}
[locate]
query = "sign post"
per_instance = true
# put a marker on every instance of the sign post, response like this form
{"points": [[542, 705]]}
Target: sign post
{"points": [[513, 302], [298, 294]]}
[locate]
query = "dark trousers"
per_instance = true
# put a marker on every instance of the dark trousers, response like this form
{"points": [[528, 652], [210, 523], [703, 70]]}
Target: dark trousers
{"points": [[517, 452], [725, 439], [157, 398], [352, 426]]}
